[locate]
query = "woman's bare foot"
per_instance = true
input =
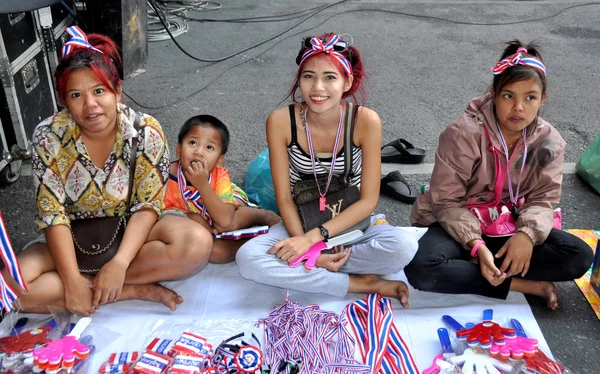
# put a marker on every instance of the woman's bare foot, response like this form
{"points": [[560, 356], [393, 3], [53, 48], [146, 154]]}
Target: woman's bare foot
{"points": [[156, 293], [369, 283], [272, 219], [546, 290]]}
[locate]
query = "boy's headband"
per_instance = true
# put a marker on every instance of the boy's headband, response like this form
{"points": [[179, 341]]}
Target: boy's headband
{"points": [[518, 59], [317, 46], [78, 40]]}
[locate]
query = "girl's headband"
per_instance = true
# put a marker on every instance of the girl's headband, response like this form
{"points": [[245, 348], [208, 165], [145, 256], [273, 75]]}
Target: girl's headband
{"points": [[518, 59], [78, 40], [317, 46]]}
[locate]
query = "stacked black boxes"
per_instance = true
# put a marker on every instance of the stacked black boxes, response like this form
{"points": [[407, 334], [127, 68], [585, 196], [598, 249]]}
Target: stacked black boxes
{"points": [[27, 92]]}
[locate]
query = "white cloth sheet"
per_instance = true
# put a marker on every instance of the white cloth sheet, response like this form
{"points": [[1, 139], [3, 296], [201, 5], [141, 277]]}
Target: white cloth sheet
{"points": [[218, 303], [218, 293]]}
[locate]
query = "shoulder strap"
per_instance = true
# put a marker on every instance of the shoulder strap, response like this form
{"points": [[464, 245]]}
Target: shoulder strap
{"points": [[349, 118], [293, 121], [132, 157]]}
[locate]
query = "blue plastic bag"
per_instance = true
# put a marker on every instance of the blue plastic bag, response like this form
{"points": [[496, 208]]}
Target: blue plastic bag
{"points": [[259, 182]]}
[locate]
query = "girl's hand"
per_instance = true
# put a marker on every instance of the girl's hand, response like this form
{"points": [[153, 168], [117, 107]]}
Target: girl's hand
{"points": [[108, 283], [334, 261], [291, 248], [78, 297], [518, 250], [488, 268]]}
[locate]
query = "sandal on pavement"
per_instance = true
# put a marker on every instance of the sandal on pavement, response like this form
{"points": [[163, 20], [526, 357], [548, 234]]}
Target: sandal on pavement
{"points": [[394, 185], [401, 151]]}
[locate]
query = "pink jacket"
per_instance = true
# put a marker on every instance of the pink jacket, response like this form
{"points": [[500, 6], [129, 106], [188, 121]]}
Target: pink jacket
{"points": [[464, 173]]}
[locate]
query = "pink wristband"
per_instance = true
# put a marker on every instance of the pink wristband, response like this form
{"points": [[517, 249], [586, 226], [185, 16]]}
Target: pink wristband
{"points": [[475, 247]]}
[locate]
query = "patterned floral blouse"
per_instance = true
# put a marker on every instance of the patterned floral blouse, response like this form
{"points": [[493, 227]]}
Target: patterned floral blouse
{"points": [[68, 184]]}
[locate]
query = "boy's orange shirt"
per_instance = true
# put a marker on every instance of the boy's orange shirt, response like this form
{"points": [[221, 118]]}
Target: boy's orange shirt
{"points": [[219, 182]]}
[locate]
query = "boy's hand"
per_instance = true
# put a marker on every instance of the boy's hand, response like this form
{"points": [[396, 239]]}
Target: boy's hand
{"points": [[197, 173]]}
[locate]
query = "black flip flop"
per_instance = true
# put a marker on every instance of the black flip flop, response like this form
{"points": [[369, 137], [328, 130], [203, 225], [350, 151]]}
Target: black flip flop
{"points": [[394, 185], [402, 152]]}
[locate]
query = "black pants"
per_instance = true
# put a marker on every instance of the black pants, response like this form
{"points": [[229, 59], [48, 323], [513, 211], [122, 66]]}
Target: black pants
{"points": [[442, 264]]}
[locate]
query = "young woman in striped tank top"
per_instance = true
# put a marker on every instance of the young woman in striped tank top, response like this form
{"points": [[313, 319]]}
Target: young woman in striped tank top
{"points": [[301, 139]]}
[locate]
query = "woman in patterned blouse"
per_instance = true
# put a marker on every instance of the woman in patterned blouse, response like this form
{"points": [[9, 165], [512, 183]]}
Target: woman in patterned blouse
{"points": [[81, 170]]}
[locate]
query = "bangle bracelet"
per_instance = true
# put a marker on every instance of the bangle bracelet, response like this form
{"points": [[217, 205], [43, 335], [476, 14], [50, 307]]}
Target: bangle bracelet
{"points": [[476, 247]]}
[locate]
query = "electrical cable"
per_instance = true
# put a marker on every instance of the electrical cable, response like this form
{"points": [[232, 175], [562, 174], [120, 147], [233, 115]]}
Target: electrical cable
{"points": [[260, 19], [351, 11], [153, 4]]}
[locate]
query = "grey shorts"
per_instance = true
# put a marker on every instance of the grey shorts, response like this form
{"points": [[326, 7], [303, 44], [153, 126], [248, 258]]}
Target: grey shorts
{"points": [[173, 212], [39, 239]]}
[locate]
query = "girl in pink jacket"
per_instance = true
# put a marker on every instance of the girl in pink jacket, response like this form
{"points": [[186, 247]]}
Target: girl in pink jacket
{"points": [[499, 136]]}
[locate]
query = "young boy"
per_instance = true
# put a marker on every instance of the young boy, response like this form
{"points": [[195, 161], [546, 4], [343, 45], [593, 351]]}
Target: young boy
{"points": [[200, 187]]}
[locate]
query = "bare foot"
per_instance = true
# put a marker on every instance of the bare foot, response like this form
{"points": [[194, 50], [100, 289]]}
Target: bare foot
{"points": [[546, 290], [158, 293], [272, 219], [369, 283], [550, 293]]}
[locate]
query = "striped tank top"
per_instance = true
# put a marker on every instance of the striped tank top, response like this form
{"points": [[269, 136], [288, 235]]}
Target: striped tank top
{"points": [[301, 166]]}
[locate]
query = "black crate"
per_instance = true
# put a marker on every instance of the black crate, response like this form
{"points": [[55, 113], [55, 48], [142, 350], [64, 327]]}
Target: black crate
{"points": [[27, 97], [18, 32]]}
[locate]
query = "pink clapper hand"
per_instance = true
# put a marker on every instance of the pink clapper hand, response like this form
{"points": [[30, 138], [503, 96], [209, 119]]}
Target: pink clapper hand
{"points": [[314, 252], [517, 348], [310, 256], [447, 352], [62, 352]]}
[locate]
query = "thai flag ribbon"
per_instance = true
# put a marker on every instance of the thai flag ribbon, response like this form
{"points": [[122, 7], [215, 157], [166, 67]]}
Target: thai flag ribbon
{"points": [[518, 59], [78, 40], [318, 47], [192, 197], [7, 293], [371, 321]]}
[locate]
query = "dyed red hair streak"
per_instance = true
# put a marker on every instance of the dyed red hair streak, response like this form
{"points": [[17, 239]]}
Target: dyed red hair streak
{"points": [[353, 56], [104, 65]]}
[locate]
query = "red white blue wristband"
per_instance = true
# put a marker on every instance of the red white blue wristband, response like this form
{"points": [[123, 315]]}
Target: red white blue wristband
{"points": [[476, 247]]}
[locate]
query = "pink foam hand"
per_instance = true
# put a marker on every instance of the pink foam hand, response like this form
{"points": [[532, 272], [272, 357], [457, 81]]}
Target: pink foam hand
{"points": [[517, 348], [484, 333], [310, 256], [434, 368], [60, 353]]}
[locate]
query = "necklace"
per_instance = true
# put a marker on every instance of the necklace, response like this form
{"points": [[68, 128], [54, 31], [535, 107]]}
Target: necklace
{"points": [[322, 200], [514, 195]]}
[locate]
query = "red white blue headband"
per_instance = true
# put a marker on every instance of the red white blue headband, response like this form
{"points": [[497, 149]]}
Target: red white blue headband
{"points": [[518, 59], [78, 40], [328, 47]]}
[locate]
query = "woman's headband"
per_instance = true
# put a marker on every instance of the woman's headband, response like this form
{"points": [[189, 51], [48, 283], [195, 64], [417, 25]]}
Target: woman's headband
{"points": [[518, 59], [330, 46], [78, 40]]}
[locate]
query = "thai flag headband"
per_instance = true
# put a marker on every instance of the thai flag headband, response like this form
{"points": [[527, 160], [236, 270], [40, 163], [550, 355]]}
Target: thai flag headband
{"points": [[78, 40], [518, 59], [328, 47]]}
